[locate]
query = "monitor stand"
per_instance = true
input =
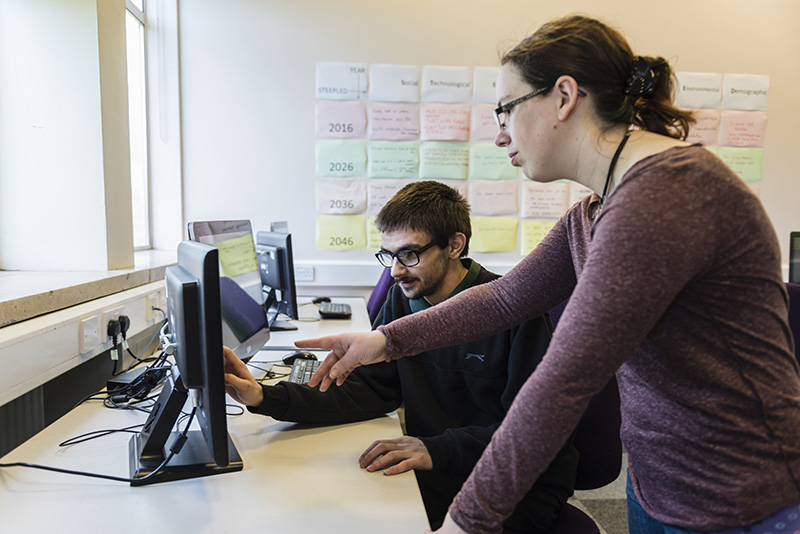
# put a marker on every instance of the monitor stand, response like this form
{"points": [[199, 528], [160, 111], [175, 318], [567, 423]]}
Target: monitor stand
{"points": [[278, 326]]}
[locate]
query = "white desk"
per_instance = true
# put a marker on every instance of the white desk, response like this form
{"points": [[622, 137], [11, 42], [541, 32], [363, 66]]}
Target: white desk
{"points": [[296, 479]]}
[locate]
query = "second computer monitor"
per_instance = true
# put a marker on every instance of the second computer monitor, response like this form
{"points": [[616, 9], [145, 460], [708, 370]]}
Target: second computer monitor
{"points": [[276, 266]]}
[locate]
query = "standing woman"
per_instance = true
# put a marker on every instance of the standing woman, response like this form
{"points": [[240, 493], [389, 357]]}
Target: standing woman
{"points": [[672, 270]]}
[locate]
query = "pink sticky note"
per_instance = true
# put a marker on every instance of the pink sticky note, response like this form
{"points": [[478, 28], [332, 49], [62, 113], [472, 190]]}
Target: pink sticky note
{"points": [[444, 122], [341, 119], [393, 122], [742, 128], [483, 127], [706, 130]]}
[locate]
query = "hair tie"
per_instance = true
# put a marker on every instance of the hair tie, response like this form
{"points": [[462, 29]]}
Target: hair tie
{"points": [[643, 79]]}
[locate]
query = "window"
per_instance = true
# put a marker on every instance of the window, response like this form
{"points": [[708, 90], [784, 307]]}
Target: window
{"points": [[137, 117]]}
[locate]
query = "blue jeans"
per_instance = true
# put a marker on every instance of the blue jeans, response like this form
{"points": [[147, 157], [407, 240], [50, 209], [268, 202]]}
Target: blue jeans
{"points": [[786, 521]]}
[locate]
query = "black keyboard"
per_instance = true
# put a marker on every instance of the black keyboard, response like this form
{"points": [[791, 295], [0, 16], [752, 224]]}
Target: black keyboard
{"points": [[302, 370], [335, 310]]}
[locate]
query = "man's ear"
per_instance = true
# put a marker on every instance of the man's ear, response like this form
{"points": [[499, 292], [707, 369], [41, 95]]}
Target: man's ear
{"points": [[457, 243], [567, 89]]}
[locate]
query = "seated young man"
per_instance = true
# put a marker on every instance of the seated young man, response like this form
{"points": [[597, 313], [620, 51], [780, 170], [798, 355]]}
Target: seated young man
{"points": [[454, 397]]}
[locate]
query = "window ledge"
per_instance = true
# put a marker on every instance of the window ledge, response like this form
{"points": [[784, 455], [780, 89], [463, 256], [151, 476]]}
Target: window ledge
{"points": [[28, 294]]}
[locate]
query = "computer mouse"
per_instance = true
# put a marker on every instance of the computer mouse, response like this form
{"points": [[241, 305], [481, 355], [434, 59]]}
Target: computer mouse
{"points": [[321, 299], [290, 358]]}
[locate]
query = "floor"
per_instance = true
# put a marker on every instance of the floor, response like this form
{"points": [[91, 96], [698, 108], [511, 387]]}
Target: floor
{"points": [[606, 505]]}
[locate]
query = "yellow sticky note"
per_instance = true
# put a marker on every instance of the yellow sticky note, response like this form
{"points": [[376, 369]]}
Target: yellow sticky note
{"points": [[532, 234], [494, 234], [341, 232], [238, 256], [373, 235]]}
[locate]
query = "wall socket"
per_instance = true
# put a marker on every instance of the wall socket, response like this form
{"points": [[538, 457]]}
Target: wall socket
{"points": [[303, 273]]}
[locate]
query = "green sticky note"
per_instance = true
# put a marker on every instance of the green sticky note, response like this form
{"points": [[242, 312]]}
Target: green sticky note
{"points": [[393, 159], [337, 157], [341, 232], [488, 161], [532, 233], [237, 256], [440, 159], [746, 162], [494, 234]]}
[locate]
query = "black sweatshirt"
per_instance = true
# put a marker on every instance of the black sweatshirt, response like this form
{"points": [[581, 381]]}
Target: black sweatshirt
{"points": [[454, 398]]}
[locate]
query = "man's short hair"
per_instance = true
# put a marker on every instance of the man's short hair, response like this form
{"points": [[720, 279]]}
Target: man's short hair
{"points": [[428, 206]]}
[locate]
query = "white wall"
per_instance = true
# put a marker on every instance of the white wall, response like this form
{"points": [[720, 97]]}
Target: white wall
{"points": [[248, 68]]}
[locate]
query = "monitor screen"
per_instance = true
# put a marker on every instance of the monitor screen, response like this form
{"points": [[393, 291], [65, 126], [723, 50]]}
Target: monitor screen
{"points": [[194, 336], [276, 267]]}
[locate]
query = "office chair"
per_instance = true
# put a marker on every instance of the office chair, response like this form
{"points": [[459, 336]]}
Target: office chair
{"points": [[597, 440], [794, 315], [378, 295]]}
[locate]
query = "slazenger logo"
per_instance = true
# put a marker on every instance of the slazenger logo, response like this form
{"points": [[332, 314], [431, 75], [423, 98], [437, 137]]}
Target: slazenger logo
{"points": [[470, 355]]}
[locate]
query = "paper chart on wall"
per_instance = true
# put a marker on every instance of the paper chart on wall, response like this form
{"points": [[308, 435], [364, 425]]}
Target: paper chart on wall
{"points": [[747, 92], [532, 234], [698, 90], [440, 159], [341, 232], [746, 162], [394, 83], [341, 120], [483, 126], [488, 161], [485, 83], [491, 197], [341, 81], [742, 128], [444, 122], [341, 196], [446, 85], [393, 122], [706, 130], [544, 201], [380, 191], [393, 159], [347, 157], [494, 234]]}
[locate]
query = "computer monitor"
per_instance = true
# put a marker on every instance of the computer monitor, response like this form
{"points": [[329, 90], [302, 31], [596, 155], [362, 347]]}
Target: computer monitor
{"points": [[276, 266], [794, 257], [194, 336], [244, 321]]}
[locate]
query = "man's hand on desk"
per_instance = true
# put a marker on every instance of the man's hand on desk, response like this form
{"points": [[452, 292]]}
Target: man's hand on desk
{"points": [[400, 454], [239, 382], [348, 351]]}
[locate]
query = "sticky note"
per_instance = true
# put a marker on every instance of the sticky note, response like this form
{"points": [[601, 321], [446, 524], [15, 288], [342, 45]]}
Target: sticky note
{"points": [[380, 191], [341, 232], [439, 159], [393, 159], [341, 195], [491, 197], [698, 90], [494, 234], [483, 126], [484, 81], [341, 81], [742, 128], [237, 256], [532, 234], [340, 120], [444, 122], [488, 161], [746, 162], [393, 122], [447, 85], [745, 91], [394, 83], [544, 201], [706, 130], [373, 235], [346, 157]]}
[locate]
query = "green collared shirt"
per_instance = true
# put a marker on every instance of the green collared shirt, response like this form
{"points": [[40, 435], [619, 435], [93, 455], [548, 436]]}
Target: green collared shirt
{"points": [[473, 268]]}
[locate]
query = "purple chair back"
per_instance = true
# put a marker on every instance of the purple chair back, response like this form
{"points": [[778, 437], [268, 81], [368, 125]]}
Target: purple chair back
{"points": [[378, 295]]}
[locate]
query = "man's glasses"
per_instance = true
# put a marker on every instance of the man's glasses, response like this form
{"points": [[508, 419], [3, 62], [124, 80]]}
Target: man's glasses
{"points": [[505, 109], [406, 257]]}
